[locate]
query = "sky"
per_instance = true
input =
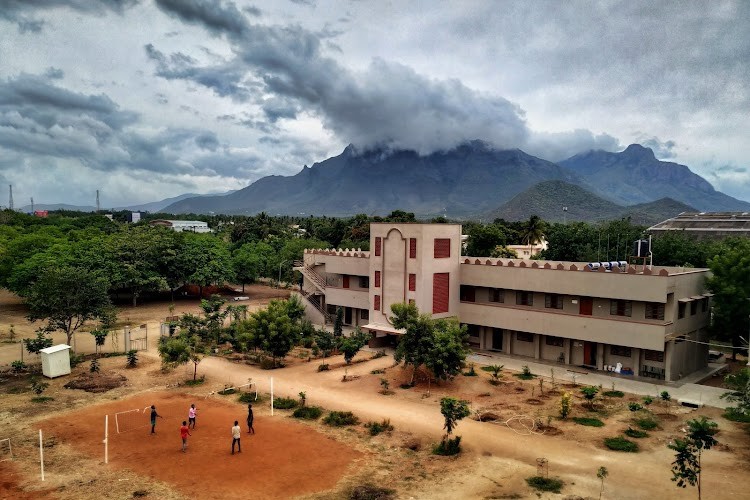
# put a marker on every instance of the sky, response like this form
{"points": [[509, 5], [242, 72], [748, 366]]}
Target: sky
{"points": [[148, 99]]}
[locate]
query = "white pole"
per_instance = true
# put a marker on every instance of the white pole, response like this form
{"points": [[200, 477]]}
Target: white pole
{"points": [[272, 396], [41, 453], [106, 439]]}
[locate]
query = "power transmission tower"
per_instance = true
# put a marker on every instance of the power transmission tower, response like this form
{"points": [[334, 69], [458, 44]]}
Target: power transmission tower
{"points": [[32, 204], [97, 201], [10, 198]]}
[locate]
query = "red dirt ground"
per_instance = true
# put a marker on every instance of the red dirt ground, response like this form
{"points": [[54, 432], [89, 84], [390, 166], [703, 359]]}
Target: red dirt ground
{"points": [[283, 459], [9, 485]]}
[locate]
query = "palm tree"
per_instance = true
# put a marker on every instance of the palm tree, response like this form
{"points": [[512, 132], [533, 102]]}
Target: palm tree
{"points": [[533, 231]]}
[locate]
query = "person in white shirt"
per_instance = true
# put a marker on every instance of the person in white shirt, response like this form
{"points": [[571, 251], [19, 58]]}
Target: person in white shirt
{"points": [[236, 433], [191, 415]]}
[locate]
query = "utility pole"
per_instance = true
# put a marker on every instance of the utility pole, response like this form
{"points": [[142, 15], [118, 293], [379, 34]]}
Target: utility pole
{"points": [[10, 198], [565, 215], [32, 205], [97, 201]]}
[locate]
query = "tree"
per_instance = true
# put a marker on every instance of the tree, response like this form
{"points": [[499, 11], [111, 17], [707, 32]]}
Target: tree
{"points": [[325, 341], [730, 284], [503, 252], [739, 385], [208, 260], [666, 398], [686, 469], [449, 349], [453, 410], [483, 239], [273, 331], [41, 341], [602, 474], [251, 261], [533, 231], [351, 345], [213, 317], [338, 323], [136, 252], [67, 298], [590, 393]]}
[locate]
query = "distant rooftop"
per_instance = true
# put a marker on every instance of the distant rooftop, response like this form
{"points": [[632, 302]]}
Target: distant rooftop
{"points": [[707, 224]]}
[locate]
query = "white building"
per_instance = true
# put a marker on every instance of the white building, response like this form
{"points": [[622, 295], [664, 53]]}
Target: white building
{"points": [[194, 226]]}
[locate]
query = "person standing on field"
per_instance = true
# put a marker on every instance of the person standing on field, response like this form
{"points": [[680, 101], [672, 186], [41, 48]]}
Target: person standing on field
{"points": [[191, 416], [236, 434], [250, 417], [184, 433], [153, 419]]}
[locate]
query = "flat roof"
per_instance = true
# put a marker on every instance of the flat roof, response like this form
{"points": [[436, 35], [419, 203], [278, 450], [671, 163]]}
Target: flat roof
{"points": [[55, 348]]}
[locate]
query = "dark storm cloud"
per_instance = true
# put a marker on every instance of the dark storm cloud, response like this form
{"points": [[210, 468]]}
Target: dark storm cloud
{"points": [[216, 16], [54, 73], [21, 11]]}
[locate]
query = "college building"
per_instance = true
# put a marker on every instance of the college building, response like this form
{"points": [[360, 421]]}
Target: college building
{"points": [[648, 321]]}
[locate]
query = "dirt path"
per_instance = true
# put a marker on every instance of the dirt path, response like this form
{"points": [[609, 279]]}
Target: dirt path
{"points": [[575, 462]]}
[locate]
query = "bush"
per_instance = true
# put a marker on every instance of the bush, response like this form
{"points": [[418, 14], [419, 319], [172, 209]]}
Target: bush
{"points": [[736, 416], [472, 372], [285, 403], [619, 443], [646, 423], [524, 375], [566, 404], [324, 367], [448, 447], [635, 433], [249, 397], [269, 364], [76, 359], [370, 492], [647, 400], [615, 394], [377, 372], [308, 413], [42, 399], [340, 418], [132, 358], [18, 366], [378, 427], [634, 407], [542, 483], [198, 381], [378, 354], [589, 422], [94, 368], [38, 387]]}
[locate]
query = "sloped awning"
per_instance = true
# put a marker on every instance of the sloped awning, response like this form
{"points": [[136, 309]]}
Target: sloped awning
{"points": [[383, 329]]}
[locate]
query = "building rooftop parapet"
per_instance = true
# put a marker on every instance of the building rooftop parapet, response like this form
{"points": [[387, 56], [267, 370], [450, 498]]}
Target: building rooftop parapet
{"points": [[580, 266], [340, 252]]}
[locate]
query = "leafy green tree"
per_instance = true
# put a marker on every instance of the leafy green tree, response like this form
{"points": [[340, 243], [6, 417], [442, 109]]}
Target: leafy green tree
{"points": [[252, 261], [136, 252], [589, 393], [602, 474], [534, 230], [739, 390], [338, 323], [67, 298], [415, 344], [352, 344], [449, 349], [325, 341], [483, 239], [208, 260], [41, 341], [453, 410], [686, 469], [730, 284], [503, 252], [273, 330]]}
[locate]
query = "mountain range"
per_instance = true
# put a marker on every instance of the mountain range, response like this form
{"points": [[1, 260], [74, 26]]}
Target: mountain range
{"points": [[474, 180]]}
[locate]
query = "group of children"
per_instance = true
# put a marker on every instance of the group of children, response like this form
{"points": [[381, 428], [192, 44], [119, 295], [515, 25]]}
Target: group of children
{"points": [[190, 423]]}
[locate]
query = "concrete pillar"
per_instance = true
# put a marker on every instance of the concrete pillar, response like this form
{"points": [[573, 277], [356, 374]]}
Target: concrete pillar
{"points": [[668, 355], [482, 334], [599, 356], [636, 362], [507, 338], [537, 345], [567, 343]]}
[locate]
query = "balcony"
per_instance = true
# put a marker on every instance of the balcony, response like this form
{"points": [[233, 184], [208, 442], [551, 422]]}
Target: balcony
{"points": [[349, 297]]}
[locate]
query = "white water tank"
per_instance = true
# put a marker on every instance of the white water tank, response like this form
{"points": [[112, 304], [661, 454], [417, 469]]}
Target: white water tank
{"points": [[55, 360]]}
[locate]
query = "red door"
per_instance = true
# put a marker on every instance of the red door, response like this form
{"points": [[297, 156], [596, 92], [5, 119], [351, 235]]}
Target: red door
{"points": [[586, 306], [589, 353]]}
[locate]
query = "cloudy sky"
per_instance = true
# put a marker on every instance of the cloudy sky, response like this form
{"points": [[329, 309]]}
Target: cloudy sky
{"points": [[146, 99]]}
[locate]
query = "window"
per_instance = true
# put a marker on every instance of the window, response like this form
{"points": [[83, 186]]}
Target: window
{"points": [[681, 310], [412, 282], [377, 302], [625, 352], [442, 248], [331, 309], [553, 301], [704, 304], [378, 245], [377, 279], [693, 307], [554, 341], [440, 289], [654, 310], [525, 298], [345, 281], [468, 293], [497, 295], [654, 356], [364, 282], [412, 248], [524, 337], [620, 307], [364, 314]]}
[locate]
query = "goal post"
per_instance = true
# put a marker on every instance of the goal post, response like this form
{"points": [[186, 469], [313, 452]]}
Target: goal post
{"points": [[130, 419]]}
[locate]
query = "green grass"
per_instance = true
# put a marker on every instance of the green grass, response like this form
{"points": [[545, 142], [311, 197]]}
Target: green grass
{"points": [[340, 418], [198, 381], [285, 403], [525, 376], [735, 416], [588, 421], [614, 394], [486, 369], [377, 372], [635, 433], [308, 413], [646, 423], [227, 392], [619, 443], [42, 399], [545, 483]]}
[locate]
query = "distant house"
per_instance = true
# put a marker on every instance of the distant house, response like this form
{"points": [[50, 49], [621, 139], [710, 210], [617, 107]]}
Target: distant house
{"points": [[706, 225], [528, 251], [194, 226]]}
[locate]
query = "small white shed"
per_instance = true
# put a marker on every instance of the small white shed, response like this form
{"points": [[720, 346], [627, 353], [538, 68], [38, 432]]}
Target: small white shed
{"points": [[56, 360]]}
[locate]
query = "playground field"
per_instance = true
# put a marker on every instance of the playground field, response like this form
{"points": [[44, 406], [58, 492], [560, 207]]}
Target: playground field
{"points": [[283, 459]]}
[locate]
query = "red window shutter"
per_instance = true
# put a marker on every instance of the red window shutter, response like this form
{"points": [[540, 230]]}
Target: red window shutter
{"points": [[377, 302], [442, 248], [412, 248], [412, 282], [377, 279], [440, 289], [346, 281], [378, 243]]}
